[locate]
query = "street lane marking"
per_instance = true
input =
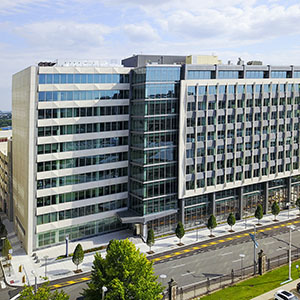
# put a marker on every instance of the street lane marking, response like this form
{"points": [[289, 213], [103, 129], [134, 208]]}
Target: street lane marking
{"points": [[281, 248], [224, 240], [226, 253], [236, 260], [185, 274], [178, 266], [269, 243]]}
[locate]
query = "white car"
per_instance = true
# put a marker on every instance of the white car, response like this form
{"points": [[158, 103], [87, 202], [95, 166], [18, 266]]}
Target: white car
{"points": [[285, 295]]}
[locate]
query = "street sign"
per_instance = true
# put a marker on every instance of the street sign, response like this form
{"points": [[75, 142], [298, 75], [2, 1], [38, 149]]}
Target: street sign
{"points": [[253, 239]]}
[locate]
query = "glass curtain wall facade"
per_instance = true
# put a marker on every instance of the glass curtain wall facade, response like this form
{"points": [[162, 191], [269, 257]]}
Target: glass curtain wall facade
{"points": [[153, 148]]}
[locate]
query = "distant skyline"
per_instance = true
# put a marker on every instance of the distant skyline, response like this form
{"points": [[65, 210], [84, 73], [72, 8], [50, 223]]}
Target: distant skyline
{"points": [[39, 30]]}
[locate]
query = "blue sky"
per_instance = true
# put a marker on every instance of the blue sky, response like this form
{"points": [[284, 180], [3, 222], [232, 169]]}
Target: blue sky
{"points": [[38, 30]]}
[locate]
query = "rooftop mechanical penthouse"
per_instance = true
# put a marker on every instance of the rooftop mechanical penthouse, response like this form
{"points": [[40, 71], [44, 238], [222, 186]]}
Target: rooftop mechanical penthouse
{"points": [[158, 140]]}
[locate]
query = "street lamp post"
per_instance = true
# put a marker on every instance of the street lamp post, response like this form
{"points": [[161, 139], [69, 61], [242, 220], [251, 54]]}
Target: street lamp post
{"points": [[104, 290], [35, 281], [242, 256], [292, 227], [297, 267], [46, 257], [246, 215], [254, 247], [163, 276], [288, 205], [67, 246], [197, 223]]}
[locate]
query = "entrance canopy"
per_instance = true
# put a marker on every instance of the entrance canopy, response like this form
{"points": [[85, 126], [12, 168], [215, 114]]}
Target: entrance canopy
{"points": [[131, 217]]}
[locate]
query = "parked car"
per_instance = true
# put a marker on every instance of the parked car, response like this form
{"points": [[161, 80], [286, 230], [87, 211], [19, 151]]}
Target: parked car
{"points": [[298, 287], [285, 295]]}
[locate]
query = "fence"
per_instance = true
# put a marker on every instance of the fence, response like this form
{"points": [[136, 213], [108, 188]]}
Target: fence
{"points": [[209, 285]]}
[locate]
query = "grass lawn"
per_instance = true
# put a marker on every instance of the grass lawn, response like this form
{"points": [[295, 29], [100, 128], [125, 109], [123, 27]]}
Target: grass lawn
{"points": [[253, 287]]}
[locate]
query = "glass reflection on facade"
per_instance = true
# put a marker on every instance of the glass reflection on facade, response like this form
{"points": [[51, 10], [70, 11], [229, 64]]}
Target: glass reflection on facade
{"points": [[153, 159]]}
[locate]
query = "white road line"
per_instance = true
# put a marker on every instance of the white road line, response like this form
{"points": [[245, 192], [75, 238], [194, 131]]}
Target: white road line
{"points": [[269, 243], [187, 273], [177, 266], [236, 260], [281, 248], [223, 254]]}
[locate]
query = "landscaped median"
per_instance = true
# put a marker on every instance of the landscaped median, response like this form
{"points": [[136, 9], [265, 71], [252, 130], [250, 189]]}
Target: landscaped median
{"points": [[256, 286]]}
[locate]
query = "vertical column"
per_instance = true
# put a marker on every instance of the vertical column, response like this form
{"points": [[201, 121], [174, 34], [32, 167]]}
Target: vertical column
{"points": [[289, 190], [213, 203], [266, 197], [241, 203], [181, 211]]}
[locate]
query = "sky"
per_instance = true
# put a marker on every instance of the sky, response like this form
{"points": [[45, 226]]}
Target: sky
{"points": [[46, 30]]}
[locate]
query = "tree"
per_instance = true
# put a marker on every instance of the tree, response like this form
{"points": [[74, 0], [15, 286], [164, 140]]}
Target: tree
{"points": [[298, 204], [43, 293], [259, 213], [231, 220], [275, 209], [179, 231], [6, 247], [150, 238], [78, 255], [211, 224], [125, 272]]}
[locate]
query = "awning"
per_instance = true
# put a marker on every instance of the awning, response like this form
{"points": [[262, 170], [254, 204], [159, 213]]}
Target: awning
{"points": [[131, 217]]}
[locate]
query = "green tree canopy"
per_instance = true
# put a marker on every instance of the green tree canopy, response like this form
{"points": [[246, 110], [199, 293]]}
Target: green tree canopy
{"points": [[150, 238], [275, 209], [231, 220], [78, 255], [6, 247], [211, 223], [179, 231], [125, 272], [43, 293], [259, 212]]}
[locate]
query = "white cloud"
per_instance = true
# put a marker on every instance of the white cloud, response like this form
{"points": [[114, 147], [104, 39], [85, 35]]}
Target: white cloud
{"points": [[140, 32], [63, 35], [9, 6]]}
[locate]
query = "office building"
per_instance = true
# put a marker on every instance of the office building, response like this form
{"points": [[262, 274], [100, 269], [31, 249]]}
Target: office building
{"points": [[6, 200], [158, 140]]}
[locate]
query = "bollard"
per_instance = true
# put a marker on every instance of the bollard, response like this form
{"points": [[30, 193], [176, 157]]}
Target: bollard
{"points": [[23, 279], [20, 268]]}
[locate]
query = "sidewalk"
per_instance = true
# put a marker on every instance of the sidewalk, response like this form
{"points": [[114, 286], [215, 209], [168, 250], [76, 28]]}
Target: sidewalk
{"points": [[57, 269]]}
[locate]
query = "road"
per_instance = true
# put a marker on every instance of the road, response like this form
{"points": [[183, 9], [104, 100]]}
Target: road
{"points": [[213, 262], [208, 259]]}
